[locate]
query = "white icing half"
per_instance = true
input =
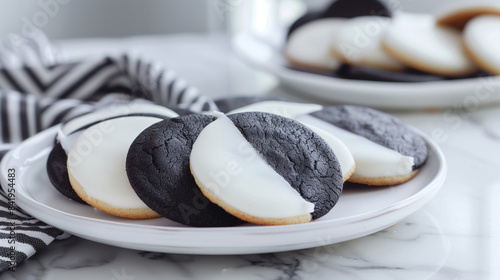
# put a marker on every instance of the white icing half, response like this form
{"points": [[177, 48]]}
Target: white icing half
{"points": [[97, 160], [359, 42], [372, 160], [482, 37], [309, 45], [223, 161], [342, 153], [282, 108], [68, 133], [417, 41]]}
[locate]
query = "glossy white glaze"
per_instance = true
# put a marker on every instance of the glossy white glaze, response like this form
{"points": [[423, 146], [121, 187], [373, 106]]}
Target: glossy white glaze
{"points": [[97, 160]]}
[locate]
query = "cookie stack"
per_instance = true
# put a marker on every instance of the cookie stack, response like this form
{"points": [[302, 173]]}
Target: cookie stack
{"points": [[370, 43], [265, 162]]}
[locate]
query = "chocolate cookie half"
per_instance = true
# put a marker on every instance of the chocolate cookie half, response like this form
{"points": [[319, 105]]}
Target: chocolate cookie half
{"points": [[158, 170]]}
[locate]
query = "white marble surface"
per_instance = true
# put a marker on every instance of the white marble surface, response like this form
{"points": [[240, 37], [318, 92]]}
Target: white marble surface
{"points": [[455, 236]]}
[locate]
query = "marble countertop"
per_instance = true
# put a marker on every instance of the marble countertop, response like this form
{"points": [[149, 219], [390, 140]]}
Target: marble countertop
{"points": [[454, 236]]}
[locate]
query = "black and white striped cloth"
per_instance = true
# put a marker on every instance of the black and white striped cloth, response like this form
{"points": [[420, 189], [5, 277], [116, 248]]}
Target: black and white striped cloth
{"points": [[38, 91]]}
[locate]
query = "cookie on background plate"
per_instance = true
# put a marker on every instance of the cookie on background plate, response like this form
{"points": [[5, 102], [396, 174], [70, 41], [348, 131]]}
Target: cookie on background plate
{"points": [[266, 169], [481, 38], [418, 42]]}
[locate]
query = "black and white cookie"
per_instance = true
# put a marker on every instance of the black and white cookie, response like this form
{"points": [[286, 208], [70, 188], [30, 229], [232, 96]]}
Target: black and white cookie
{"points": [[418, 42], [385, 150], [69, 131], [158, 170], [481, 37], [266, 169]]}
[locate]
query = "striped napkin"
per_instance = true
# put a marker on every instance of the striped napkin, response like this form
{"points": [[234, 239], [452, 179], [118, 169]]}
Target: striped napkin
{"points": [[37, 91]]}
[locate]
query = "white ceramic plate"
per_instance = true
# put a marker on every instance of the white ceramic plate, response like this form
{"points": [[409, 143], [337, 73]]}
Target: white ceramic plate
{"points": [[468, 93], [359, 212]]}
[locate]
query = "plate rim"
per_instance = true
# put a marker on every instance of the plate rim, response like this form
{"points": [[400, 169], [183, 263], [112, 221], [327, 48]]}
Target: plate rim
{"points": [[363, 88], [426, 193]]}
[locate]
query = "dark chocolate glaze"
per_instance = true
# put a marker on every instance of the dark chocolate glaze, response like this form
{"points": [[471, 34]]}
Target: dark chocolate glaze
{"points": [[378, 127], [58, 173]]}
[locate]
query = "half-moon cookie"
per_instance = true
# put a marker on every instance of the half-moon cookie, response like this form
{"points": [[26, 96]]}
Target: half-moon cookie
{"points": [[158, 170], [481, 40], [266, 169], [385, 150], [96, 166], [71, 130], [418, 42]]}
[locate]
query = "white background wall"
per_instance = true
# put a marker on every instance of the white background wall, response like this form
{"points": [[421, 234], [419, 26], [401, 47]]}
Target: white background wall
{"points": [[117, 18], [105, 18]]}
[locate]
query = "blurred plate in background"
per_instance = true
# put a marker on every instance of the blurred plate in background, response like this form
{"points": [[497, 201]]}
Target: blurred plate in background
{"points": [[465, 93]]}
